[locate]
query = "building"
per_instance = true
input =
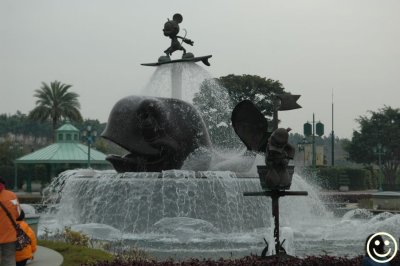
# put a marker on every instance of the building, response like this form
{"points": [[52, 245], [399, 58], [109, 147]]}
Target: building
{"points": [[66, 153]]}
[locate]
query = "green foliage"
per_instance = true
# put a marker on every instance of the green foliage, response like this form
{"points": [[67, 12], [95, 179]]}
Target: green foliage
{"points": [[215, 106], [7, 172], [76, 255], [359, 178], [334, 177], [217, 98], [126, 253], [134, 254], [381, 127], [55, 103], [75, 238], [328, 177], [7, 155], [70, 243], [99, 144], [259, 90], [94, 123], [20, 124]]}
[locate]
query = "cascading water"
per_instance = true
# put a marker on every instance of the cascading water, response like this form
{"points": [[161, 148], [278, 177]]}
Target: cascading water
{"points": [[135, 202], [160, 83], [185, 214], [193, 212]]}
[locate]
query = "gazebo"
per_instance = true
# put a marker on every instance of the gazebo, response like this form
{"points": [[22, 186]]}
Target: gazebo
{"points": [[65, 153]]}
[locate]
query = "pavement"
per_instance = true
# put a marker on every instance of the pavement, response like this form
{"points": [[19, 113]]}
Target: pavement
{"points": [[46, 257], [346, 196], [350, 192]]}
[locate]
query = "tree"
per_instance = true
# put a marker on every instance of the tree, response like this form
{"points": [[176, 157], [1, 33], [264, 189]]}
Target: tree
{"points": [[215, 106], [55, 103], [259, 90], [20, 124], [217, 98], [382, 127]]}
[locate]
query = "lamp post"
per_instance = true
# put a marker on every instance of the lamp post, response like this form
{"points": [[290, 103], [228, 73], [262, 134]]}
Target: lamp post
{"points": [[89, 136], [379, 150], [311, 130]]}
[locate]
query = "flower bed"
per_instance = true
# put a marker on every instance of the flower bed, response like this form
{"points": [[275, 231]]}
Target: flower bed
{"points": [[250, 260]]}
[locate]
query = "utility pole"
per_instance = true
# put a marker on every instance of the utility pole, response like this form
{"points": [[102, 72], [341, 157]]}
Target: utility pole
{"points": [[333, 137], [314, 158]]}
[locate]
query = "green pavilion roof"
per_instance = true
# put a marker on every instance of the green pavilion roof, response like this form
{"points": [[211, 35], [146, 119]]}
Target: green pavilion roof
{"points": [[64, 153], [68, 127], [67, 149]]}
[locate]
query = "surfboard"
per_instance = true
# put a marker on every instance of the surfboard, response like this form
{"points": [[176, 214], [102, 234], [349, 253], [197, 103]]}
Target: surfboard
{"points": [[203, 59]]}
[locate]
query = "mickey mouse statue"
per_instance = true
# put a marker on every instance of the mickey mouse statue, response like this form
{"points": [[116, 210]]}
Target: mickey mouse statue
{"points": [[171, 30], [277, 157]]}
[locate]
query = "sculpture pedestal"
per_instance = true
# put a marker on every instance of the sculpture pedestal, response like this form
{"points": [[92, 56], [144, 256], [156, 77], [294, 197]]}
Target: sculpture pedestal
{"points": [[275, 195]]}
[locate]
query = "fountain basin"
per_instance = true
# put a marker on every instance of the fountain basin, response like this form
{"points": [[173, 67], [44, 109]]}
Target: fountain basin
{"points": [[184, 214], [387, 200]]}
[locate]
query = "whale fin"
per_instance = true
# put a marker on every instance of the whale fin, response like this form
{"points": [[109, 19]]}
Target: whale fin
{"points": [[205, 61], [250, 125]]}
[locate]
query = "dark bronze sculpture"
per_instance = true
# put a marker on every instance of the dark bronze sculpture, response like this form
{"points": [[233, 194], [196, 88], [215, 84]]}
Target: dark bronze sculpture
{"points": [[278, 154], [171, 30], [252, 128], [276, 175], [158, 133]]}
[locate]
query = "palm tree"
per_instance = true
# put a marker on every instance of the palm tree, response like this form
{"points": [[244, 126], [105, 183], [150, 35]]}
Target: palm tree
{"points": [[55, 103]]}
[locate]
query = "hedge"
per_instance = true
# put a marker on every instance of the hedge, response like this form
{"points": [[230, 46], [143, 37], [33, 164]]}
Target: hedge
{"points": [[334, 177]]}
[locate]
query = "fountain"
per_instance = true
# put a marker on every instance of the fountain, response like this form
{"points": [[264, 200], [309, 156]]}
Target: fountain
{"points": [[197, 210]]}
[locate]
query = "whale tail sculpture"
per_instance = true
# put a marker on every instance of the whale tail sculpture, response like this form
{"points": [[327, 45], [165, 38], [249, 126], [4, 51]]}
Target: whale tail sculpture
{"points": [[251, 126]]}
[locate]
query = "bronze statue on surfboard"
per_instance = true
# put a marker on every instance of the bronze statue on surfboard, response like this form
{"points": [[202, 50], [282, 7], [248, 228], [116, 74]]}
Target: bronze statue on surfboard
{"points": [[171, 30]]}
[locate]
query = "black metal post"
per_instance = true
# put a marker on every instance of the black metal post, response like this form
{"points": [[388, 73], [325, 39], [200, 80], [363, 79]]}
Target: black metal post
{"points": [[314, 159], [333, 138], [275, 214], [275, 195]]}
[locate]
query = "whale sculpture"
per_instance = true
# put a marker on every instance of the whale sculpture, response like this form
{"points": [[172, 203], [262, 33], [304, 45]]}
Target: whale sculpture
{"points": [[158, 133]]}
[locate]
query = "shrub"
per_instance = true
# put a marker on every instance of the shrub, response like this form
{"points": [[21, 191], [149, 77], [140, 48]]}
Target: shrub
{"points": [[75, 238], [334, 177], [358, 178], [328, 177]]}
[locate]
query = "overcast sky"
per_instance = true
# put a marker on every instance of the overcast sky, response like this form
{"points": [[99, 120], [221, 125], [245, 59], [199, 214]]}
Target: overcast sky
{"points": [[310, 46]]}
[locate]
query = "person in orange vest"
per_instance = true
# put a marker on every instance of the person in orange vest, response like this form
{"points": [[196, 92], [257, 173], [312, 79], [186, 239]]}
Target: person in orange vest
{"points": [[22, 256], [8, 235]]}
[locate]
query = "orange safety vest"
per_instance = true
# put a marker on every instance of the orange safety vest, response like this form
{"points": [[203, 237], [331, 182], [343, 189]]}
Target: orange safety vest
{"points": [[7, 229], [27, 252]]}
